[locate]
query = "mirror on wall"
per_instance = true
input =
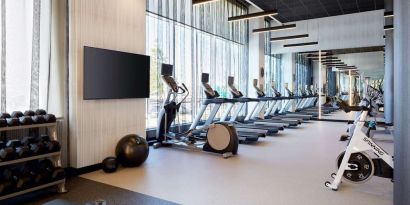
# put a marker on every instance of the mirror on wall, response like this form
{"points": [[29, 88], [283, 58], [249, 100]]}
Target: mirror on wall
{"points": [[341, 77]]}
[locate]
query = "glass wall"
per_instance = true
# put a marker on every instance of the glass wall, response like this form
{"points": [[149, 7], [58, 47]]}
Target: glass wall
{"points": [[195, 40]]}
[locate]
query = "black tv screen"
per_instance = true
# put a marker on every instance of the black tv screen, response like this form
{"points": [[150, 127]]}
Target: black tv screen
{"points": [[112, 74]]}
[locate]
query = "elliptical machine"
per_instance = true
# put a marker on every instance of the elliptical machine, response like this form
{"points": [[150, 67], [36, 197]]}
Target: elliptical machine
{"points": [[220, 138], [354, 164]]}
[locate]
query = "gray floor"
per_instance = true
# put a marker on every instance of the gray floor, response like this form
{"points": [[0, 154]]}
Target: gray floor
{"points": [[288, 169], [83, 191]]}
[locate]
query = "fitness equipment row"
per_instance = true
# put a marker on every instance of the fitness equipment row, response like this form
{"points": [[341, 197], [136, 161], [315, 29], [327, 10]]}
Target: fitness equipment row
{"points": [[30, 174], [27, 147], [29, 117], [222, 136]]}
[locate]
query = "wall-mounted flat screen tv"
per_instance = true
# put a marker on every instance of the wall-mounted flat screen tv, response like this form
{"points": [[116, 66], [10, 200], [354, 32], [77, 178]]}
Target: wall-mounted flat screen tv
{"points": [[110, 74]]}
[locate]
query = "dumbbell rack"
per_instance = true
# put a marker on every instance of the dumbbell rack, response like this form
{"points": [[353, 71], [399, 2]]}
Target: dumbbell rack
{"points": [[55, 156]]}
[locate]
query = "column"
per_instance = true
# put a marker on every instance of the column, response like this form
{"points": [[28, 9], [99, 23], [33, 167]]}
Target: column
{"points": [[401, 102], [388, 68]]}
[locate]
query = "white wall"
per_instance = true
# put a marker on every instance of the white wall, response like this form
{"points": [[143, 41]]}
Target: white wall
{"points": [[363, 29], [95, 126]]}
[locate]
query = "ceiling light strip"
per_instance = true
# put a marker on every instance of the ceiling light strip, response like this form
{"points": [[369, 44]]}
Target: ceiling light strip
{"points": [[388, 27], [275, 28], [388, 14], [300, 44], [253, 15], [289, 37], [200, 2], [323, 58]]}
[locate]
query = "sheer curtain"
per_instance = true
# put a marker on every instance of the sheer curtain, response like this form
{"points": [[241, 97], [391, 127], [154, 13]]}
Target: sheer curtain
{"points": [[195, 40], [25, 51]]}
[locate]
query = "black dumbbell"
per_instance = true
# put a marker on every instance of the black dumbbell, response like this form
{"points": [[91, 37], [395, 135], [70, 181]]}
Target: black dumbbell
{"points": [[25, 120], [3, 122], [58, 174], [5, 115], [38, 119], [36, 147], [6, 183], [22, 176], [41, 112], [50, 118], [29, 113], [51, 145], [13, 121], [45, 168], [17, 114], [20, 150], [6, 153]]}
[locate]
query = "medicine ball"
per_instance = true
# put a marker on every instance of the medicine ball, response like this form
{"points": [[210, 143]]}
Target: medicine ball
{"points": [[109, 164], [132, 150]]}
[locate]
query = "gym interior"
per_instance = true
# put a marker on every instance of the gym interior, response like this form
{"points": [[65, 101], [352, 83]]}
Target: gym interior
{"points": [[204, 102]]}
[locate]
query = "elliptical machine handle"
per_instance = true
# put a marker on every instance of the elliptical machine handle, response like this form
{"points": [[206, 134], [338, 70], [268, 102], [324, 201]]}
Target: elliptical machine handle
{"points": [[185, 88]]}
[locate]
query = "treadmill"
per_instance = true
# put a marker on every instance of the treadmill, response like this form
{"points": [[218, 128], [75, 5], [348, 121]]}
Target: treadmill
{"points": [[274, 107], [240, 102], [284, 108], [212, 98], [261, 105]]}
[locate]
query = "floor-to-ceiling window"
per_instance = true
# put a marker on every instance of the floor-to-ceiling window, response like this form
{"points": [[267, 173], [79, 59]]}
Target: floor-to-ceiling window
{"points": [[273, 67], [195, 40], [331, 82], [304, 74]]}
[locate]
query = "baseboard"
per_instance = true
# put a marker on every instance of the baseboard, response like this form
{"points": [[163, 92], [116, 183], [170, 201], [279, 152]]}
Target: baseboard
{"points": [[330, 120], [73, 172]]}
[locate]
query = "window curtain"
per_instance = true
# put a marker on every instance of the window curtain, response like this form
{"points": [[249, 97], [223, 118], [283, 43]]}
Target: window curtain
{"points": [[195, 40], [304, 73], [331, 82], [25, 52], [273, 66]]}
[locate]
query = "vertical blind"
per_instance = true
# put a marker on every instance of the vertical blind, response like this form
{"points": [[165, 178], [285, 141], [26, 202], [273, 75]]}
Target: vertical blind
{"points": [[24, 56], [195, 40]]}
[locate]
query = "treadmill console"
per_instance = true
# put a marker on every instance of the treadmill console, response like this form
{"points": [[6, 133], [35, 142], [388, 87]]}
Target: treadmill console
{"points": [[258, 91], [235, 92], [209, 92], [166, 73]]}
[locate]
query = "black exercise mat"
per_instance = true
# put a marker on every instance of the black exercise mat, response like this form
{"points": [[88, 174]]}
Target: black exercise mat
{"points": [[83, 191]]}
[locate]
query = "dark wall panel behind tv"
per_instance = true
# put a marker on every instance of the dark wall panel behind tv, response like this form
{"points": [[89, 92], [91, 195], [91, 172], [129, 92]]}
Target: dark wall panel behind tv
{"points": [[112, 74]]}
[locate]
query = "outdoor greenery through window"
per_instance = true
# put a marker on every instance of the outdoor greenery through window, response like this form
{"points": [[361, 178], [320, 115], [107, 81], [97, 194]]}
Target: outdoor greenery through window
{"points": [[195, 40]]}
